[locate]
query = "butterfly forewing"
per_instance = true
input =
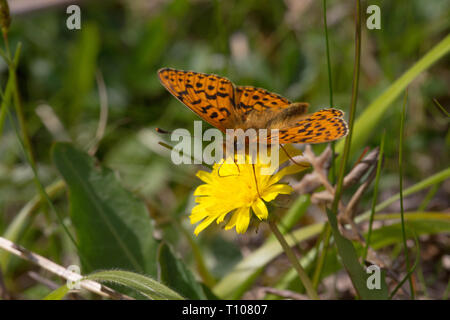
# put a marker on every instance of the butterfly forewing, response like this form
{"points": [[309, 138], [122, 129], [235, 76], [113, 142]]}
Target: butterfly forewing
{"points": [[250, 99], [209, 96]]}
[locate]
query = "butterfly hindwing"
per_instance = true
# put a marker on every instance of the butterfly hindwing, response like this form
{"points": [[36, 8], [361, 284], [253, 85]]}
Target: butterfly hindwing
{"points": [[321, 126], [209, 96]]}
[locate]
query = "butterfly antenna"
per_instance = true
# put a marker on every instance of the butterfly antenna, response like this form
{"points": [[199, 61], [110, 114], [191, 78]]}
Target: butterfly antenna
{"points": [[159, 130], [235, 163], [218, 171], [162, 131], [361, 156], [256, 180]]}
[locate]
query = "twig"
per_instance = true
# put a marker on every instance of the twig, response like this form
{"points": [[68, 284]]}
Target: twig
{"points": [[27, 6], [46, 282], [348, 213], [52, 122], [318, 169], [54, 268], [361, 168]]}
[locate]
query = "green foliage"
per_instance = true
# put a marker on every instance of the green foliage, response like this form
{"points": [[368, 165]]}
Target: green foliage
{"points": [[145, 285], [112, 226], [58, 294], [119, 202], [174, 273], [350, 260]]}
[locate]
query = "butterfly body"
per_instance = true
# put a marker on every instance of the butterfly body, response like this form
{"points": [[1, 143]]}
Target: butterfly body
{"points": [[226, 106]]}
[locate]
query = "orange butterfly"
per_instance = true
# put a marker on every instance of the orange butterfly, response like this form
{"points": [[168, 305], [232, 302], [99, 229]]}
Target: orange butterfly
{"points": [[226, 106]]}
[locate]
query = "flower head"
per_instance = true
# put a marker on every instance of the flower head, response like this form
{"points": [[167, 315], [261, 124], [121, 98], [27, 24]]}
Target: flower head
{"points": [[241, 190]]}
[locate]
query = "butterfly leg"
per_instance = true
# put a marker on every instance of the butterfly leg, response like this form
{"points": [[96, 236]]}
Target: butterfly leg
{"points": [[290, 158], [239, 170]]}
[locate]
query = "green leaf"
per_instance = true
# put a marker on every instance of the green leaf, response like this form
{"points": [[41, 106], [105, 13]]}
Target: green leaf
{"points": [[113, 227], [234, 284], [356, 272], [58, 294], [420, 222], [145, 285], [369, 120], [174, 273]]}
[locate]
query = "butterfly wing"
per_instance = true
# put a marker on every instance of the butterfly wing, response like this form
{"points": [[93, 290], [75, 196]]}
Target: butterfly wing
{"points": [[251, 99], [321, 126], [209, 96], [217, 101]]}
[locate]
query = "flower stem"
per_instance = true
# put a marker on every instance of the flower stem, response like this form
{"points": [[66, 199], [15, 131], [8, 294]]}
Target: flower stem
{"points": [[295, 263], [355, 86]]}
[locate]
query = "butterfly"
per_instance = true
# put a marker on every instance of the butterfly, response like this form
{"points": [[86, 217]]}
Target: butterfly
{"points": [[227, 106]]}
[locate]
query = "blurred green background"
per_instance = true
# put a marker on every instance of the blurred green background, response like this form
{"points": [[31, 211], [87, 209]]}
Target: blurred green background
{"points": [[277, 45]]}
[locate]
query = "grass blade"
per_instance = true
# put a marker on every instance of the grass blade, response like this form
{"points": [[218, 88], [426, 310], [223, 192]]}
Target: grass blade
{"points": [[410, 271], [368, 121], [400, 172], [355, 85], [58, 294], [350, 260], [434, 179], [375, 194]]}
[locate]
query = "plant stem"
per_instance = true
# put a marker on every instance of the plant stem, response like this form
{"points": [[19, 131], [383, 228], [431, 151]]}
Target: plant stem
{"points": [[295, 263], [6, 95], [327, 229], [400, 169], [60, 271], [323, 255], [355, 85], [330, 86]]}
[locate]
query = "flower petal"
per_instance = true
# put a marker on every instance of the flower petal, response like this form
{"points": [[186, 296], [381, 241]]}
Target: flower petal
{"points": [[204, 176], [273, 191], [291, 169], [243, 219], [204, 190], [230, 189], [198, 213], [232, 221], [204, 224], [260, 209], [221, 217]]}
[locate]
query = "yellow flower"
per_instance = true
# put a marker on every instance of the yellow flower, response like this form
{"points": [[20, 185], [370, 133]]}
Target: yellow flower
{"points": [[231, 187]]}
